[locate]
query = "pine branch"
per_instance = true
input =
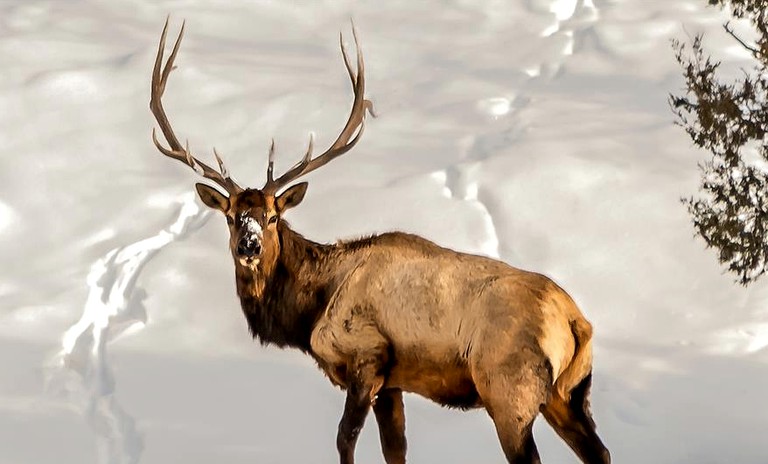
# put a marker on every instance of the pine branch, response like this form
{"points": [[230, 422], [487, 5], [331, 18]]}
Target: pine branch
{"points": [[755, 52]]}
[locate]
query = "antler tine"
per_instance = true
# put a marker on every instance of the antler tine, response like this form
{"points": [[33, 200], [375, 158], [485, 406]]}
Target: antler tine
{"points": [[271, 165], [345, 141], [176, 151], [222, 168], [310, 147], [345, 57]]}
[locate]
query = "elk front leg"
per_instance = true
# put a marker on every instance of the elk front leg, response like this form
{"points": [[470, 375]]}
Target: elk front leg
{"points": [[390, 415], [363, 383]]}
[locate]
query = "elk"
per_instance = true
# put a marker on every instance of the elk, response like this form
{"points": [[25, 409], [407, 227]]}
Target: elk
{"points": [[395, 312]]}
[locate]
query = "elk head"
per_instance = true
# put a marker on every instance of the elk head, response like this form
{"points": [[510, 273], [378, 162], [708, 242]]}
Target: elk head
{"points": [[253, 214]]}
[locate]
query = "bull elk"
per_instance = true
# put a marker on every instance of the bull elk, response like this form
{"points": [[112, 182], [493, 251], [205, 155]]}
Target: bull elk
{"points": [[395, 313]]}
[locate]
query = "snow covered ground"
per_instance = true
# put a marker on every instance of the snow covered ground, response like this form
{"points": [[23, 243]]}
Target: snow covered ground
{"points": [[532, 130]]}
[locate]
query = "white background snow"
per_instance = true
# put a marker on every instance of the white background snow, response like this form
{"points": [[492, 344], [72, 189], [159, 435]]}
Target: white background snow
{"points": [[532, 130]]}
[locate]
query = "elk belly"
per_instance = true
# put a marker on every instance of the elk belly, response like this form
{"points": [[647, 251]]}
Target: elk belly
{"points": [[448, 384]]}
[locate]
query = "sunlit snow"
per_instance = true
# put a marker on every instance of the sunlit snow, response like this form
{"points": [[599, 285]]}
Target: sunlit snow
{"points": [[534, 131]]}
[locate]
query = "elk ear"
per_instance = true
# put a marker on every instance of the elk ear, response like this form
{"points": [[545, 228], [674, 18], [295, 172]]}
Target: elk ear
{"points": [[212, 197], [291, 197]]}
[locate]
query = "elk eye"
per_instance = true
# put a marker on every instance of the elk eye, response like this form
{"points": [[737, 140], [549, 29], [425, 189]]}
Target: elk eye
{"points": [[272, 220]]}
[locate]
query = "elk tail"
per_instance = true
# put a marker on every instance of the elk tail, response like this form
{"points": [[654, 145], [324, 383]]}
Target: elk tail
{"points": [[581, 364]]}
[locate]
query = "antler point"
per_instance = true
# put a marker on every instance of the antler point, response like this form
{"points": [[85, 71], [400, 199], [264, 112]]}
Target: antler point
{"points": [[371, 110], [310, 147]]}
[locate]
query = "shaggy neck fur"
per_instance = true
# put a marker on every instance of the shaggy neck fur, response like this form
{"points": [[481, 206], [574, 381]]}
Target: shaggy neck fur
{"points": [[283, 300]]}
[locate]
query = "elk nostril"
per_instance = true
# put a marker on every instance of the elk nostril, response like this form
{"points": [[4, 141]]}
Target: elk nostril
{"points": [[248, 248], [243, 248]]}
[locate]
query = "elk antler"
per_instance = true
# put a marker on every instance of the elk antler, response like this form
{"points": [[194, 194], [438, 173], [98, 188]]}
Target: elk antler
{"points": [[344, 142], [176, 151]]}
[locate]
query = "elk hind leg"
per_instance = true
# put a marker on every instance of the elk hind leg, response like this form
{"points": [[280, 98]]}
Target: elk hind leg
{"points": [[516, 437], [572, 420], [513, 396]]}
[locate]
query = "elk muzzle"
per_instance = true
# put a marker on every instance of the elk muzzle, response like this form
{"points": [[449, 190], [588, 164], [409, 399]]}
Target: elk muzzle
{"points": [[248, 246]]}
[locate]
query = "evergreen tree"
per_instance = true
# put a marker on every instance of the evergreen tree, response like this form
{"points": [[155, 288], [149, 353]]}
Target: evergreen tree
{"points": [[730, 120]]}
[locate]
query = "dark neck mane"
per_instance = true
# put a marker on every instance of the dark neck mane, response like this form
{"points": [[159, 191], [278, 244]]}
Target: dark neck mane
{"points": [[294, 294]]}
